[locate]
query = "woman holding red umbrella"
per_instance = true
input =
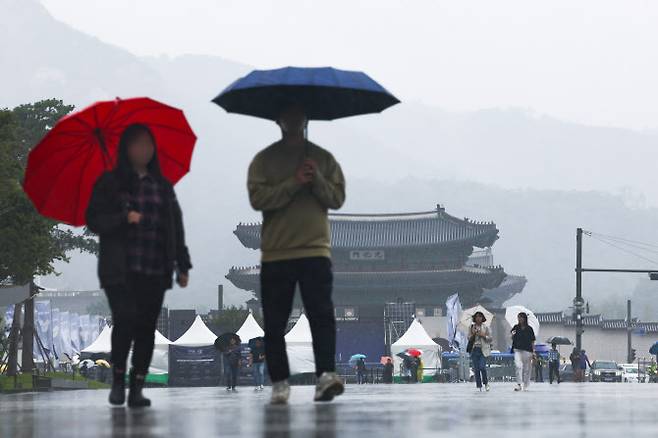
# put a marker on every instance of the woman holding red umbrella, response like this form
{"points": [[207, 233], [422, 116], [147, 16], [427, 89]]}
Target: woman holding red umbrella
{"points": [[134, 210]]}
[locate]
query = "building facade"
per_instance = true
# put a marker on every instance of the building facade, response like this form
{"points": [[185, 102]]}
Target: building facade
{"points": [[604, 339], [415, 258]]}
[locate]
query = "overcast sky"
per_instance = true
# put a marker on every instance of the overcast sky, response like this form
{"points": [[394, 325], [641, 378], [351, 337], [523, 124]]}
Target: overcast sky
{"points": [[590, 61]]}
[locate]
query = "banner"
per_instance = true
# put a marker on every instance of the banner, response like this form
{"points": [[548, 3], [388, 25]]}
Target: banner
{"points": [[85, 331], [96, 325], [194, 366], [43, 324], [57, 334], [9, 318], [75, 332], [454, 310], [65, 335]]}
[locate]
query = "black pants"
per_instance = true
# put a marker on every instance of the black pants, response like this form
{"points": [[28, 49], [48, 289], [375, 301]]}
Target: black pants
{"points": [[135, 310], [278, 281], [232, 377], [539, 373], [554, 371]]}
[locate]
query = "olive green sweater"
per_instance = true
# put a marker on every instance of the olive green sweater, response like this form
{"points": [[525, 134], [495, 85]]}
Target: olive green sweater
{"points": [[295, 222]]}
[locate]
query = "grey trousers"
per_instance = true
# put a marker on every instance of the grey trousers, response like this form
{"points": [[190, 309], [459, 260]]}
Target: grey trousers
{"points": [[523, 363]]}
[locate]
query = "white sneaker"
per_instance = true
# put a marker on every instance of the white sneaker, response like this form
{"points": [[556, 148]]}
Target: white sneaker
{"points": [[517, 388], [487, 387], [280, 393], [256, 389], [261, 387], [329, 386]]}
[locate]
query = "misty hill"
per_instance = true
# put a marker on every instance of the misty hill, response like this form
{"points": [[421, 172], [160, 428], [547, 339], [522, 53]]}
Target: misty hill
{"points": [[510, 166]]}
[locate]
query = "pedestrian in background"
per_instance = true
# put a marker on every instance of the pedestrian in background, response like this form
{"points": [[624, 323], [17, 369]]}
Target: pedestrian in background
{"points": [[257, 363], [480, 339], [523, 345], [553, 364]]}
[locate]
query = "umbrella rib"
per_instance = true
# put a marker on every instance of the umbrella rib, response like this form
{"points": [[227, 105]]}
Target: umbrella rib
{"points": [[90, 154]]}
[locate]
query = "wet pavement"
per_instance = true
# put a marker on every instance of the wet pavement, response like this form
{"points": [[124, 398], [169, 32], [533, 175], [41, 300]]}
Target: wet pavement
{"points": [[573, 410]]}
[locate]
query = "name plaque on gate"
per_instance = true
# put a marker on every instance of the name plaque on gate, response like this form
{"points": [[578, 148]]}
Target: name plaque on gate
{"points": [[367, 255]]}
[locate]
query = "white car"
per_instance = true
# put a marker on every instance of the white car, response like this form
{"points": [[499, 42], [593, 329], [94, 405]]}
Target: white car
{"points": [[631, 373]]}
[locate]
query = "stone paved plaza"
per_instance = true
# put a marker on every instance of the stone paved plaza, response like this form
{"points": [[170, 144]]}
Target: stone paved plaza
{"points": [[427, 410]]}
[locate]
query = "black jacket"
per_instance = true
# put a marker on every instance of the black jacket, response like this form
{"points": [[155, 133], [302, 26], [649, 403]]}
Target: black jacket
{"points": [[522, 338], [108, 218]]}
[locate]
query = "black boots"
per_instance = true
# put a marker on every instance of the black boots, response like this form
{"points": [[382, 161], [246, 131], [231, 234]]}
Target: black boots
{"points": [[135, 397], [118, 391]]}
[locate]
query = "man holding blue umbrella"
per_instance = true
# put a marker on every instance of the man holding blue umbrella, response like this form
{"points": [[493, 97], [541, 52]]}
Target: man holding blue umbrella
{"points": [[294, 183]]}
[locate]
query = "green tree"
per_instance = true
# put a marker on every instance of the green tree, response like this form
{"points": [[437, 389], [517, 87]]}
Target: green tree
{"points": [[29, 242], [231, 318]]}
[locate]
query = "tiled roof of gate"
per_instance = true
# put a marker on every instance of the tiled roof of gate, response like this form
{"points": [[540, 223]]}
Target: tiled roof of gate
{"points": [[597, 321], [393, 230]]}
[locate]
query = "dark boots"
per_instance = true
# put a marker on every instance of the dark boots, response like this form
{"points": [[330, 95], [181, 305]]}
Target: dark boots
{"points": [[118, 391], [135, 397]]}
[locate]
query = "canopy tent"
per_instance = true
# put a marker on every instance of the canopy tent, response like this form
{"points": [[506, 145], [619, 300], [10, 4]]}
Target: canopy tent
{"points": [[416, 337], [299, 346], [102, 344], [159, 362], [198, 335], [250, 329]]}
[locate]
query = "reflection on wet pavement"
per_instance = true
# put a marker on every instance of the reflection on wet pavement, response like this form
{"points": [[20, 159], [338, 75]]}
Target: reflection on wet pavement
{"points": [[574, 410]]}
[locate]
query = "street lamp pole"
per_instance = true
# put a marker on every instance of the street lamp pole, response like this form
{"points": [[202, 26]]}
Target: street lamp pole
{"points": [[578, 302]]}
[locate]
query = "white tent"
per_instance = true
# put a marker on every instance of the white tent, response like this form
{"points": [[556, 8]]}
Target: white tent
{"points": [[160, 360], [299, 346], [198, 335], [102, 344], [416, 337], [159, 363], [250, 329]]}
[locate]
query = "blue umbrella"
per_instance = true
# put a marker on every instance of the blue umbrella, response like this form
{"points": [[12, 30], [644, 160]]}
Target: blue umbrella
{"points": [[654, 349], [356, 357], [325, 93]]}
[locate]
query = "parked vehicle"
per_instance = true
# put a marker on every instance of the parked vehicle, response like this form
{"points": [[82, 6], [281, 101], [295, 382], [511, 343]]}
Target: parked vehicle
{"points": [[605, 371], [631, 373]]}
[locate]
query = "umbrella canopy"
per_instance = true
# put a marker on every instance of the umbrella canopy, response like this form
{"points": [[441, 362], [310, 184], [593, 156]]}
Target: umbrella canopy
{"points": [[63, 168], [103, 363], [512, 313], [414, 352], [252, 342], [223, 341], [466, 317], [356, 357], [558, 340], [654, 349], [88, 363], [325, 93]]}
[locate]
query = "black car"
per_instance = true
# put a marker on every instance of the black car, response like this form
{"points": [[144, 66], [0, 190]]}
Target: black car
{"points": [[605, 371]]}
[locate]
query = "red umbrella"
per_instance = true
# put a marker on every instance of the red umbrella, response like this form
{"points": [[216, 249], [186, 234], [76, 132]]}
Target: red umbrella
{"points": [[414, 352], [63, 167]]}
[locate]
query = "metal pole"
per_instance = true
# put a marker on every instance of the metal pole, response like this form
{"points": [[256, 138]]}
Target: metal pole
{"points": [[578, 301], [629, 359]]}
